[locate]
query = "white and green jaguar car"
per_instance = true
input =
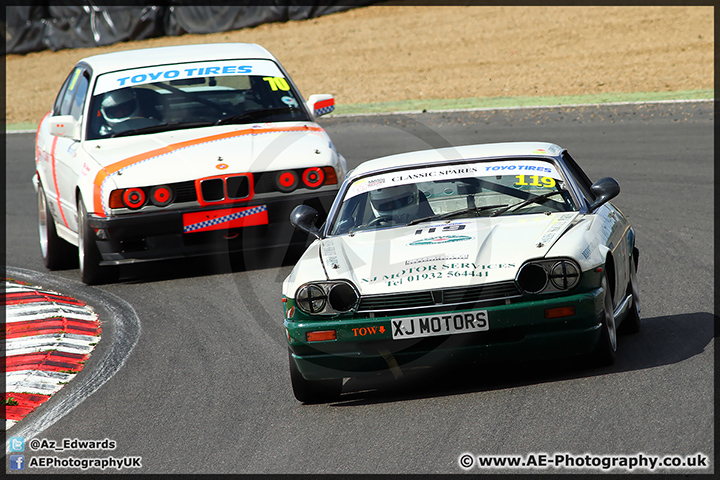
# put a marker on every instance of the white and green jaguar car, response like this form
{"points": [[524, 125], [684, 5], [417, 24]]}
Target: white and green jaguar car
{"points": [[459, 255]]}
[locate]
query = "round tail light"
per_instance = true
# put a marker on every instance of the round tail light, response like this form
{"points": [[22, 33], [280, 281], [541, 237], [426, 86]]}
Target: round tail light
{"points": [[134, 198], [313, 177], [161, 196], [286, 181]]}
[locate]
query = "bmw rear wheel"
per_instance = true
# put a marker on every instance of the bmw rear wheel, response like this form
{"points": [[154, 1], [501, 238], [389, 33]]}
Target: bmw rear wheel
{"points": [[89, 257], [56, 252], [313, 391]]}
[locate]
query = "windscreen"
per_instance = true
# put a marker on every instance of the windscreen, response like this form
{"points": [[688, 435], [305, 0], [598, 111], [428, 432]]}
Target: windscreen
{"points": [[468, 190], [151, 99]]}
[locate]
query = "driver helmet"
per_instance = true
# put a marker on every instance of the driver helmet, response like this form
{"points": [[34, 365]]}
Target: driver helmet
{"points": [[400, 201], [119, 105]]}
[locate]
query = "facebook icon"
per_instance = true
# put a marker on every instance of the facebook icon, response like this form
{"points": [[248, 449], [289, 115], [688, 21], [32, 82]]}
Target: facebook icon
{"points": [[17, 462]]}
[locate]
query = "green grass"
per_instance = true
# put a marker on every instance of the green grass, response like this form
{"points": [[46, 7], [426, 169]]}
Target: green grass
{"points": [[490, 103], [509, 102]]}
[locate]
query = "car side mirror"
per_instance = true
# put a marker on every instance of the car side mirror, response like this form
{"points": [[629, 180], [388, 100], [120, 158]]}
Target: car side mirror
{"points": [[304, 218], [65, 126], [321, 104], [604, 189]]}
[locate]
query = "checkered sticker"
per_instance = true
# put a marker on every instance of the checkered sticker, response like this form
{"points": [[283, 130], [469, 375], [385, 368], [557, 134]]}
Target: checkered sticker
{"points": [[226, 218]]}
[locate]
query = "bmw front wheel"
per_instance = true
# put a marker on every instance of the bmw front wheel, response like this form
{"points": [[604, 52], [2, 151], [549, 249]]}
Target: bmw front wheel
{"points": [[56, 252]]}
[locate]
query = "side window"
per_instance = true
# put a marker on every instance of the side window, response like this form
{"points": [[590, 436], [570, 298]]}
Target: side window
{"points": [[581, 179], [63, 103], [78, 101], [59, 100]]}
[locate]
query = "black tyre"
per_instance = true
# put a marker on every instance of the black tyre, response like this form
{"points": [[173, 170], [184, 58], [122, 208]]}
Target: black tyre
{"points": [[631, 323], [91, 273], [57, 253], [313, 391], [606, 349]]}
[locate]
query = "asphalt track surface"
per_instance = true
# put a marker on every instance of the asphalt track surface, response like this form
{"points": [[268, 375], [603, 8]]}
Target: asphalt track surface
{"points": [[193, 363]]}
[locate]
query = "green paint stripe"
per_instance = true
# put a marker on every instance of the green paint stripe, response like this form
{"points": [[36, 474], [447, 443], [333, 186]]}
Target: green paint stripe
{"points": [[506, 102], [496, 102]]}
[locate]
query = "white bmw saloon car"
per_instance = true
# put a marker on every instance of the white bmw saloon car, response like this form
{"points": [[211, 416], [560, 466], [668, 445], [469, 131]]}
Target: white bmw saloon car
{"points": [[178, 151]]}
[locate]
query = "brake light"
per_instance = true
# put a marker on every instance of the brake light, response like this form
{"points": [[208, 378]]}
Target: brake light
{"points": [[161, 196], [286, 181], [313, 177], [134, 198]]}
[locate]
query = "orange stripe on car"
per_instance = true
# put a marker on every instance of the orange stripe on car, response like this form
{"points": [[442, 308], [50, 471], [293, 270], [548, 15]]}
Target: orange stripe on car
{"points": [[104, 173]]}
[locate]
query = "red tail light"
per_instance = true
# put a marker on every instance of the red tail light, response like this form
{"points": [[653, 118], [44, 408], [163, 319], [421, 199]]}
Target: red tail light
{"points": [[161, 196], [313, 177], [286, 181], [134, 198]]}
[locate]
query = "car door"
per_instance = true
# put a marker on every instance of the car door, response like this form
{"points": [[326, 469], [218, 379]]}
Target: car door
{"points": [[614, 226], [65, 160]]}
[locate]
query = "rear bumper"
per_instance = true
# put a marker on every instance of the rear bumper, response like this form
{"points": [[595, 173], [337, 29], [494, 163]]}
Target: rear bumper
{"points": [[518, 331], [159, 235]]}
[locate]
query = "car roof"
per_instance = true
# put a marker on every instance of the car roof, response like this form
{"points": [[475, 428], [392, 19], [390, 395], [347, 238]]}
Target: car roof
{"points": [[464, 152], [146, 57]]}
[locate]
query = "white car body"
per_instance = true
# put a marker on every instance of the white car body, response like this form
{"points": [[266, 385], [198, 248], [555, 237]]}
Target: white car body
{"points": [[78, 161]]}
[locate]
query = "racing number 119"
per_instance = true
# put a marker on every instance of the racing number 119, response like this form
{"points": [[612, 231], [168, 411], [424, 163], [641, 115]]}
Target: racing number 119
{"points": [[547, 182]]}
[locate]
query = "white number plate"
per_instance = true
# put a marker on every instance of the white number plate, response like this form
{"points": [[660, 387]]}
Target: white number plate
{"points": [[440, 324]]}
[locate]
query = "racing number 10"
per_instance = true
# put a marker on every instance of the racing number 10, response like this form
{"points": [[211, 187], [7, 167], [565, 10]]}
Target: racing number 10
{"points": [[277, 83], [547, 182]]}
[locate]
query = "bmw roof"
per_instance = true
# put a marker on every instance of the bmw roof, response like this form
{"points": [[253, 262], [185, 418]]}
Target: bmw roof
{"points": [[146, 57], [465, 152]]}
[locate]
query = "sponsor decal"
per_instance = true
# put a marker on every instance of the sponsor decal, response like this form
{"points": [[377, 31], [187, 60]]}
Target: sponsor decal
{"points": [[437, 258], [364, 331], [330, 253], [418, 273], [441, 239], [476, 169], [164, 73], [324, 107], [227, 218], [557, 226]]}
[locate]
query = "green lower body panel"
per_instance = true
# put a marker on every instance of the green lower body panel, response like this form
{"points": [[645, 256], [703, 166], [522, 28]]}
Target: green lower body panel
{"points": [[517, 331]]}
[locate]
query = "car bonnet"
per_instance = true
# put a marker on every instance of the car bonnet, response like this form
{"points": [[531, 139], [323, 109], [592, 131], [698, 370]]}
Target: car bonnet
{"points": [[178, 156], [197, 153], [443, 254]]}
